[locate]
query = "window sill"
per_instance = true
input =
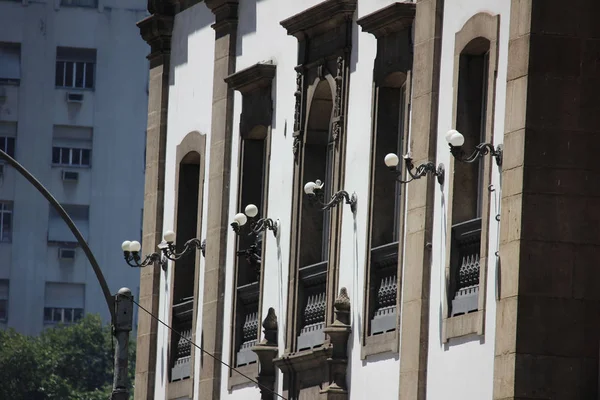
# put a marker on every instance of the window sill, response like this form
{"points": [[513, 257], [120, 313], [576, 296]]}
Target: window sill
{"points": [[180, 389], [71, 166], [463, 325], [74, 89], [378, 344], [236, 379], [307, 360]]}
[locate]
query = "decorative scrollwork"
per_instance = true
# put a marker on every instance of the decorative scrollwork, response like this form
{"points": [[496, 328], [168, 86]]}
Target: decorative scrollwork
{"points": [[168, 251], [336, 128], [421, 171], [481, 150], [319, 197]]}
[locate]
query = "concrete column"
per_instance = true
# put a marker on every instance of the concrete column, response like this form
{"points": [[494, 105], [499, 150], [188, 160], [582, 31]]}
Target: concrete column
{"points": [[219, 173], [156, 30], [420, 202]]}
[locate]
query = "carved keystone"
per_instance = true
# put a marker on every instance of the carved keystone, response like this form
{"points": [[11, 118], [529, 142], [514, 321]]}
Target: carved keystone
{"points": [[266, 352]]}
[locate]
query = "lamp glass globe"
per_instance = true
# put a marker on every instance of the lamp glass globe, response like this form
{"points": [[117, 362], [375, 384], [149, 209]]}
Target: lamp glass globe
{"points": [[240, 219], [251, 210], [169, 236], [391, 160], [309, 188], [125, 246], [449, 134], [457, 139], [135, 246]]}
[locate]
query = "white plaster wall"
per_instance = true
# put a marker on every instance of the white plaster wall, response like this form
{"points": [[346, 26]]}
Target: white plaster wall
{"points": [[113, 187], [190, 102], [464, 368]]}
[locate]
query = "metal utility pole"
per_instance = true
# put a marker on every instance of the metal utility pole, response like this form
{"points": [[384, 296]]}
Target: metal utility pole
{"points": [[120, 306]]}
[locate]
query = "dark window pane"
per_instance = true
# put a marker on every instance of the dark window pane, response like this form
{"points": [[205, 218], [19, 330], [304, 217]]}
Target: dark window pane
{"points": [[47, 314], [6, 227], [68, 315], [3, 143], [10, 147], [78, 314], [76, 157], [57, 316], [89, 75], [60, 70], [56, 155], [69, 74], [79, 74], [64, 155], [3, 307], [85, 157]]}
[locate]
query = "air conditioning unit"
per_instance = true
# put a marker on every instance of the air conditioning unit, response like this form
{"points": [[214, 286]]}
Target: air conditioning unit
{"points": [[70, 176], [74, 97], [66, 254]]}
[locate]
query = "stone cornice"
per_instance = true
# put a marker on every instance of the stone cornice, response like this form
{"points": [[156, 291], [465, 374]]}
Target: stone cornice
{"points": [[156, 30], [248, 79], [226, 14], [319, 18], [390, 19]]}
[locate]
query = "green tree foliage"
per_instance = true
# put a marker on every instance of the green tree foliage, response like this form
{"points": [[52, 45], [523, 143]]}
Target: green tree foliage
{"points": [[67, 362]]}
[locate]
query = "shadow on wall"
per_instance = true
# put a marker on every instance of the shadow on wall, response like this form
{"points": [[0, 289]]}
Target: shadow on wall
{"points": [[189, 21]]}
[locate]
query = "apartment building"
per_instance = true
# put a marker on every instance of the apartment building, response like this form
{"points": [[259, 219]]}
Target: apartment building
{"points": [[73, 98]]}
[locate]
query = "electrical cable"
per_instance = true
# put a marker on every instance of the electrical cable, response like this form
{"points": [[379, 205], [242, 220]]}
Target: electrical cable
{"points": [[207, 353]]}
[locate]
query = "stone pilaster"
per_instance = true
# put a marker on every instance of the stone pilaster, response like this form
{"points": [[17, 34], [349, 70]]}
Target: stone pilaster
{"points": [[156, 31], [219, 174], [420, 203]]}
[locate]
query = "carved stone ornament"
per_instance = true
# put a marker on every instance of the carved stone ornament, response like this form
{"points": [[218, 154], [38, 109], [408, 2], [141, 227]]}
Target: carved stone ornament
{"points": [[338, 116], [266, 352], [338, 333]]}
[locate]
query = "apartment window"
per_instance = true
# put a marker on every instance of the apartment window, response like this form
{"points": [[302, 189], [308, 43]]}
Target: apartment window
{"points": [[71, 157], [10, 63], [3, 300], [59, 232], [6, 221], [75, 67], [79, 3], [63, 302], [7, 144]]}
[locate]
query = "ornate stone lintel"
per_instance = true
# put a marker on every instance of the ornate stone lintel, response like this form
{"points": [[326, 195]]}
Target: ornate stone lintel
{"points": [[390, 19], [226, 15], [338, 333], [266, 352]]}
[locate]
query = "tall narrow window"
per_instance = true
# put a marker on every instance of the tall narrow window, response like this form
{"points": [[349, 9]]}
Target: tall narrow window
{"points": [[10, 63], [6, 221], [4, 283], [392, 26], [255, 85], [315, 223], [184, 271], [467, 192], [75, 67]]}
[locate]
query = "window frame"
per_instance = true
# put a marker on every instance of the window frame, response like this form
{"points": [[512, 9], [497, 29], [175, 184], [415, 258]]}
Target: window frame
{"points": [[486, 26], [62, 311], [5, 147], [71, 151], [78, 56]]}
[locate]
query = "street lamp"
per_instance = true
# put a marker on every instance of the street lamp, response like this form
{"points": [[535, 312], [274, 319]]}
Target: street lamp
{"points": [[120, 306], [256, 225], [391, 161], [314, 191], [456, 140], [131, 251]]}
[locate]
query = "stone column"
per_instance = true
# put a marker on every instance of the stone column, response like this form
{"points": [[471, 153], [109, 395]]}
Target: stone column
{"points": [[156, 31], [420, 201], [548, 315], [219, 174]]}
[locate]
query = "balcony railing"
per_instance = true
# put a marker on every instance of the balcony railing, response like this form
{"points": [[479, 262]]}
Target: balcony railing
{"points": [[466, 245], [384, 287], [248, 296], [182, 350], [313, 279]]}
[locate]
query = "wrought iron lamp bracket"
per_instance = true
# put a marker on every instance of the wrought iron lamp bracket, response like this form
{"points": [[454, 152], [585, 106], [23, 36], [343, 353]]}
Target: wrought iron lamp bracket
{"points": [[336, 199], [481, 150], [133, 260], [167, 252], [257, 226], [420, 171]]}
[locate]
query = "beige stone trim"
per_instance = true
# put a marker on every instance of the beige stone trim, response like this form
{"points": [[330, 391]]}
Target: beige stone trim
{"points": [[486, 26], [415, 309], [193, 142]]}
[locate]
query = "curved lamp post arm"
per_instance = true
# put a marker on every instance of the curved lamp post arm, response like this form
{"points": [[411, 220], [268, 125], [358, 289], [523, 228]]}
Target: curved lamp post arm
{"points": [[80, 239]]}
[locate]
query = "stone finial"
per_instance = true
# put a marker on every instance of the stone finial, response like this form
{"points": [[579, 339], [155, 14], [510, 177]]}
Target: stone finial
{"points": [[342, 307], [270, 326]]}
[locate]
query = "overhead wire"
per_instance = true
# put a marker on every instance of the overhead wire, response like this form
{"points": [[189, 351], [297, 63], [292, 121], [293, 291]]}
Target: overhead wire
{"points": [[209, 354]]}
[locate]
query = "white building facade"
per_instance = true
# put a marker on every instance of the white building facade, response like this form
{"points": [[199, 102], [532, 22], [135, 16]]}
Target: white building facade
{"points": [[73, 87], [397, 292]]}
